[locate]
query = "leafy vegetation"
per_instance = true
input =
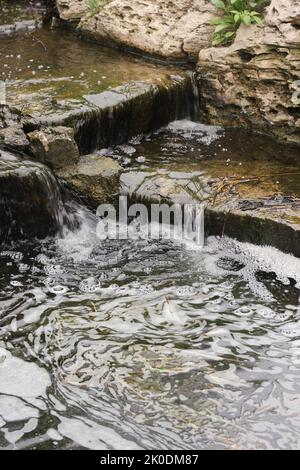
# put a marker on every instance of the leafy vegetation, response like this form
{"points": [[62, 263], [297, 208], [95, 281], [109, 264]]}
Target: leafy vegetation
{"points": [[235, 13], [94, 6]]}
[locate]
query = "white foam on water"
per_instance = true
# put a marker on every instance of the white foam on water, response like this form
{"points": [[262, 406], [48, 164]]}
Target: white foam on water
{"points": [[203, 133], [78, 244], [253, 259], [20, 378], [172, 314], [14, 409], [93, 436]]}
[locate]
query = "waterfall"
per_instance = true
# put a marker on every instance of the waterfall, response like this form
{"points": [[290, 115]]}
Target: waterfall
{"points": [[135, 108], [194, 224], [195, 98], [33, 203]]}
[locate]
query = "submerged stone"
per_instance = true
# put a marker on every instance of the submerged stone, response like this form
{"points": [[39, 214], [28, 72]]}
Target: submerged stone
{"points": [[21, 17], [95, 178], [54, 146], [20, 27]]}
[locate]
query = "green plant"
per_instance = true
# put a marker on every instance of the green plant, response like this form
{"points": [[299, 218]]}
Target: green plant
{"points": [[94, 6], [235, 13]]}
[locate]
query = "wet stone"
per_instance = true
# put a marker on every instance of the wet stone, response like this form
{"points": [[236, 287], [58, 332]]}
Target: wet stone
{"points": [[30, 203], [21, 17], [56, 79], [54, 146], [95, 178], [249, 184], [14, 138]]}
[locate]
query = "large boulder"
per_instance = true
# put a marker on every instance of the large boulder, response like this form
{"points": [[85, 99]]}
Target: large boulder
{"points": [[54, 146], [174, 29], [254, 81]]}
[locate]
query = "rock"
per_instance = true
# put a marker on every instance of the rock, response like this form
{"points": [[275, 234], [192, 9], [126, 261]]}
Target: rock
{"points": [[20, 27], [30, 199], [95, 178], [54, 146], [14, 138], [248, 183], [176, 29], [9, 116], [114, 116], [71, 9], [22, 17], [171, 187], [254, 82]]}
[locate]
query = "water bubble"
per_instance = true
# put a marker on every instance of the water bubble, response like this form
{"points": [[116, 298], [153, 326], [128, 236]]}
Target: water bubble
{"points": [[43, 259], [266, 313], [283, 316], [291, 330], [23, 267], [53, 270], [14, 255], [113, 286], [58, 289], [244, 311], [90, 284], [135, 285], [16, 284], [103, 276], [147, 289], [185, 291]]}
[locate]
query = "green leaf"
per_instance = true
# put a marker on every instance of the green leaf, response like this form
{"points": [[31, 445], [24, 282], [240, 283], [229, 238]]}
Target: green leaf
{"points": [[219, 4], [221, 27], [230, 34], [235, 12]]}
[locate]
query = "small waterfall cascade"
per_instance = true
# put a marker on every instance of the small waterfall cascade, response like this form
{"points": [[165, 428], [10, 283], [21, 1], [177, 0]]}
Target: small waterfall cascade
{"points": [[194, 224], [115, 116], [33, 203], [194, 98]]}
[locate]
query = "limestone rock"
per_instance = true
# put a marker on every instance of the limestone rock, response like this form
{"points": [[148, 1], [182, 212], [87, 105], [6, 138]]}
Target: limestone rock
{"points": [[254, 81], [54, 146], [71, 9], [176, 29], [170, 187], [95, 178], [14, 138]]}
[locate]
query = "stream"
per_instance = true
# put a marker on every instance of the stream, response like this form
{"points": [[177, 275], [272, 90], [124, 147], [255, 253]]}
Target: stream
{"points": [[139, 344], [147, 344]]}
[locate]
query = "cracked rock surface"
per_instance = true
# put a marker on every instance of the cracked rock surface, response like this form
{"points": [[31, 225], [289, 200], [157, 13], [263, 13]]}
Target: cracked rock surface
{"points": [[254, 81], [176, 29]]}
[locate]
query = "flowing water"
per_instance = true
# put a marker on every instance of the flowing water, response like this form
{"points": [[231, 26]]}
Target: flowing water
{"points": [[189, 147], [142, 343], [50, 70], [148, 344]]}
